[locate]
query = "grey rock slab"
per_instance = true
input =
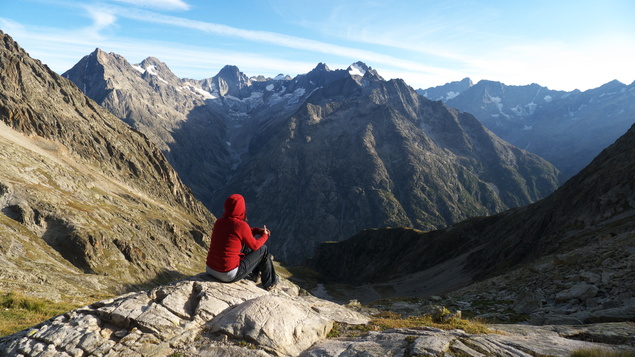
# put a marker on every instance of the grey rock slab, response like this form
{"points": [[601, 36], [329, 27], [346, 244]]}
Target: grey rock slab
{"points": [[547, 345], [432, 345], [333, 311], [580, 291], [374, 344], [230, 351], [492, 347], [621, 313], [618, 333], [215, 297], [278, 323], [460, 347]]}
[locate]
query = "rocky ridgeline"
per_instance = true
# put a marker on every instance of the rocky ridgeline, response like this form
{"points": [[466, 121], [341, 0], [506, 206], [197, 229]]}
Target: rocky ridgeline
{"points": [[201, 317]]}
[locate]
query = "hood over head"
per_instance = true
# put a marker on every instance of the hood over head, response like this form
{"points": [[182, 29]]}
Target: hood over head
{"points": [[235, 207]]}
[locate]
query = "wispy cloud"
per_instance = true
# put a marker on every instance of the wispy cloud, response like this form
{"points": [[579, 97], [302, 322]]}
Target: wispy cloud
{"points": [[158, 4], [278, 39], [61, 49], [102, 19]]}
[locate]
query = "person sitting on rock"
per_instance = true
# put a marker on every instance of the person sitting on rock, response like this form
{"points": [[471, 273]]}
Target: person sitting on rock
{"points": [[234, 252]]}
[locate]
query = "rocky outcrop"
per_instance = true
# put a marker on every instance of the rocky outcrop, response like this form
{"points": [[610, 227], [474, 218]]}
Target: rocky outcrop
{"points": [[201, 317], [171, 318], [89, 205]]}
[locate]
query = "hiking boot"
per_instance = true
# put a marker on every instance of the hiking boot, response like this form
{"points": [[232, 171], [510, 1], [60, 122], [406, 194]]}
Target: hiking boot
{"points": [[254, 277], [272, 286]]}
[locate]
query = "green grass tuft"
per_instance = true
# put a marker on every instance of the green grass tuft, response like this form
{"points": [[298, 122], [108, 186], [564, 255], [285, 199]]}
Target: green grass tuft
{"points": [[391, 320], [18, 312]]}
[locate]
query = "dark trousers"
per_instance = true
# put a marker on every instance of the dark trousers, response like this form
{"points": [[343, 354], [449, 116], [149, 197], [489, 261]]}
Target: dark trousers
{"points": [[257, 261]]}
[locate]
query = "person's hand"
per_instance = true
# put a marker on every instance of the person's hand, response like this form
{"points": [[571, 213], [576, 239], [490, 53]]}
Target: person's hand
{"points": [[267, 232]]}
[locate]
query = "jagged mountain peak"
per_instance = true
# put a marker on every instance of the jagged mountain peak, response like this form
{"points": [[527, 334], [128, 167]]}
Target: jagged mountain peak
{"points": [[466, 81], [358, 68], [614, 84], [321, 67], [229, 71], [103, 58], [447, 91], [356, 113], [229, 81], [282, 77], [152, 66]]}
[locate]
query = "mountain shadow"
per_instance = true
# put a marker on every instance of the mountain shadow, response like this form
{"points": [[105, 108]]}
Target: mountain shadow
{"points": [[591, 208]]}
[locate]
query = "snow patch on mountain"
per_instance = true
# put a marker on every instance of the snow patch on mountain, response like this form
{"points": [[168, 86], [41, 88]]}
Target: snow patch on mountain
{"points": [[497, 101], [356, 70], [548, 98], [451, 95], [203, 93], [138, 68], [290, 98], [517, 110], [151, 69]]}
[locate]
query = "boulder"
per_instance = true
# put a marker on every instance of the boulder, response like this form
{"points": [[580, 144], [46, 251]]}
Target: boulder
{"points": [[527, 302], [580, 291], [275, 323], [621, 313]]}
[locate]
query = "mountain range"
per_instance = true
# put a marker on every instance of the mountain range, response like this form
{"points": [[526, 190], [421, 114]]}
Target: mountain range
{"points": [[322, 155], [568, 129]]}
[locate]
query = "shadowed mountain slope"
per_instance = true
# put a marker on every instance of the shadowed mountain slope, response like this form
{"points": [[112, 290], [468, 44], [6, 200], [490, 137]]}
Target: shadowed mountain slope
{"points": [[592, 208], [83, 192]]}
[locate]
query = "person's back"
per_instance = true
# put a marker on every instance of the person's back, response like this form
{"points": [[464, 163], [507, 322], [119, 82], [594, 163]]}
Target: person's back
{"points": [[234, 252]]}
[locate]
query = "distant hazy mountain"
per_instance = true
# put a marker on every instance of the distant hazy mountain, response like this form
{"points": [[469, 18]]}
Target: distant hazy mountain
{"points": [[89, 206], [447, 91], [567, 128], [320, 156]]}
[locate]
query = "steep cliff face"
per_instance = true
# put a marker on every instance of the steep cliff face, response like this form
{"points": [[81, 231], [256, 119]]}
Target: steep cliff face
{"points": [[328, 153], [92, 194]]}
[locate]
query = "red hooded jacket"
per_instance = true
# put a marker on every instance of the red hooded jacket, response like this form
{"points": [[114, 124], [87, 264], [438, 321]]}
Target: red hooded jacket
{"points": [[230, 233]]}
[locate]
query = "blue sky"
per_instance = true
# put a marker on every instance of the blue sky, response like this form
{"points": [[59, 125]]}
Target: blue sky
{"points": [[563, 44]]}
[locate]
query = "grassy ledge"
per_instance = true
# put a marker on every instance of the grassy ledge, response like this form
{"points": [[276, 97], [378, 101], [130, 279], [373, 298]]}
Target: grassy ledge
{"points": [[18, 312]]}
